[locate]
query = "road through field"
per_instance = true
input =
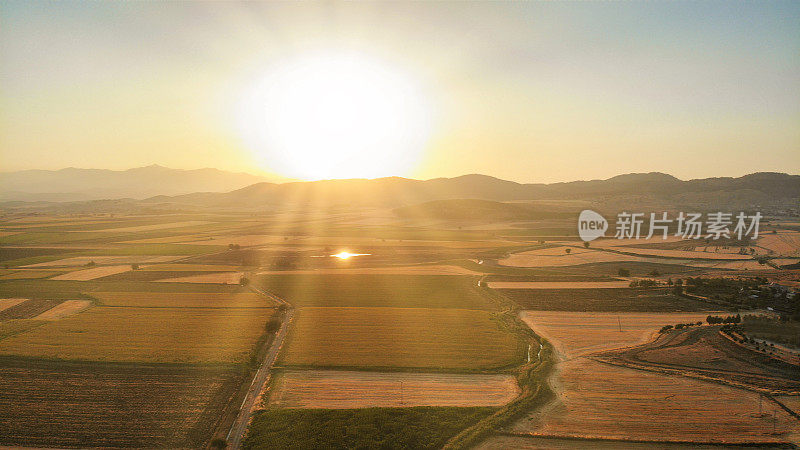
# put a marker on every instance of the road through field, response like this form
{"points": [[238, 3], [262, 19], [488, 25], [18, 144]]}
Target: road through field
{"points": [[239, 426]]}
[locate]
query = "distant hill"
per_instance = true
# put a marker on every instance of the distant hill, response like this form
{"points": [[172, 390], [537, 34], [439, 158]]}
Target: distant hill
{"points": [[646, 188], [74, 184], [641, 190]]}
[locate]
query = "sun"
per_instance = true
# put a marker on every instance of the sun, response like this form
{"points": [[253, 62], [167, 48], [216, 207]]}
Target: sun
{"points": [[335, 115]]}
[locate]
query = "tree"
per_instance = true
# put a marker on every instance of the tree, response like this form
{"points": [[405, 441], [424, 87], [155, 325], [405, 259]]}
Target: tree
{"points": [[655, 273], [623, 272], [273, 325], [244, 281], [586, 244], [134, 267], [567, 250]]}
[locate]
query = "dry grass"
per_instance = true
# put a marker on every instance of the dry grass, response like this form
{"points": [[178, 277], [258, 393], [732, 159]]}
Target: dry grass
{"points": [[336, 389], [171, 335], [64, 309], [183, 300], [94, 273], [399, 337]]}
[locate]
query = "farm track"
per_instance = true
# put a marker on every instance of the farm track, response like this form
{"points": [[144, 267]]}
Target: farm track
{"points": [[239, 427]]}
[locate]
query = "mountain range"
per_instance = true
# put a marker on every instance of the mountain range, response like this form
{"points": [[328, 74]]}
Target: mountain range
{"points": [[212, 188]]}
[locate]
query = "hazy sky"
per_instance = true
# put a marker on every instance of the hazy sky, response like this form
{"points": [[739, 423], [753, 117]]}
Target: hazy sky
{"points": [[533, 92]]}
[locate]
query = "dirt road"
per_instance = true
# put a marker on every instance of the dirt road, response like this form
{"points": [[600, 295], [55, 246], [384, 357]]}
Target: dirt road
{"points": [[239, 426]]}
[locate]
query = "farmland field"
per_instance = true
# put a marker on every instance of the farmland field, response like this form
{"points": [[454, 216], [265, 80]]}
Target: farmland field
{"points": [[420, 269], [407, 291], [557, 284], [29, 274], [339, 389], [420, 427], [49, 404], [183, 299], [595, 400], [578, 333], [557, 257], [401, 346], [64, 309], [91, 274], [172, 335], [6, 303], [218, 277], [26, 309], [613, 299], [703, 352], [78, 261], [400, 338]]}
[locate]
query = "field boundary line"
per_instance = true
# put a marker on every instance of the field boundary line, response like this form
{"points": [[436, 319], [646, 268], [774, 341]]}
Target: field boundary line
{"points": [[531, 377], [643, 441], [261, 377]]}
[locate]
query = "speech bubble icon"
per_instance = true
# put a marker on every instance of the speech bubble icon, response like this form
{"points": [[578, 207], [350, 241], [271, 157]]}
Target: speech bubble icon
{"points": [[591, 225]]}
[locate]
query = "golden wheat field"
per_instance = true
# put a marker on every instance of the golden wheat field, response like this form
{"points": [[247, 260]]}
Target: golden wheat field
{"points": [[171, 335], [399, 337], [359, 389]]}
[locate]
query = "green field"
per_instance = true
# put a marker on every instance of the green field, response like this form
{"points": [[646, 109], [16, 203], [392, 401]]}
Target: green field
{"points": [[435, 339], [402, 291], [385, 428]]}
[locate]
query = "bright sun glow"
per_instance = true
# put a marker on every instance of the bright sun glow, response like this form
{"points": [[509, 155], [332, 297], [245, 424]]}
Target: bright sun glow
{"points": [[335, 116], [348, 255]]}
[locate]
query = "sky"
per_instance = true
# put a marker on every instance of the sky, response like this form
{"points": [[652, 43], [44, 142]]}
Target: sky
{"points": [[527, 91]]}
